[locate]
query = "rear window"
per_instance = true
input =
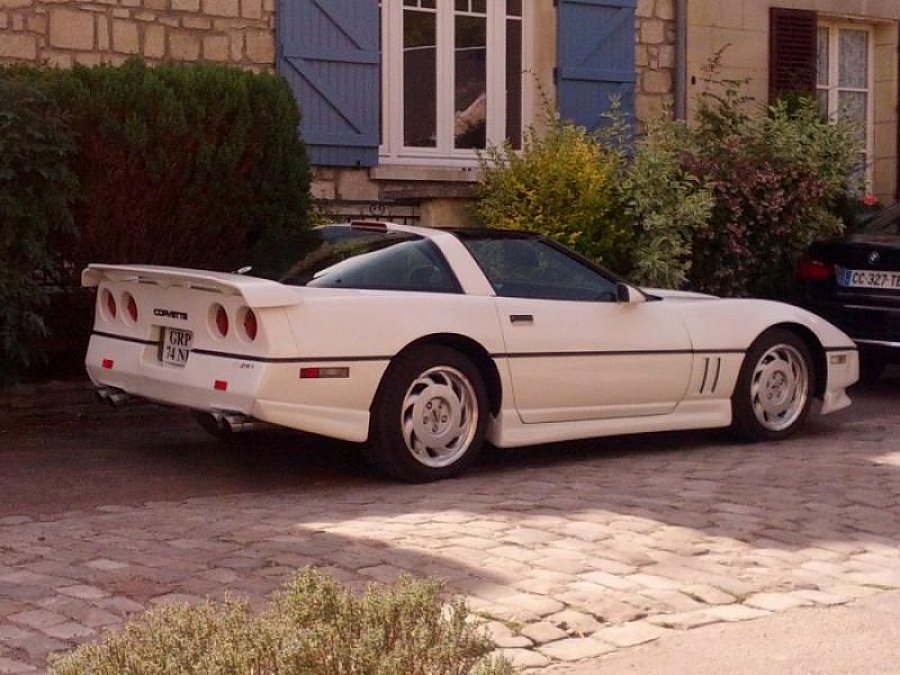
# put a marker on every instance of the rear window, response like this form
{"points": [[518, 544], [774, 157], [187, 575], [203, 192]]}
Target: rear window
{"points": [[886, 221], [345, 257]]}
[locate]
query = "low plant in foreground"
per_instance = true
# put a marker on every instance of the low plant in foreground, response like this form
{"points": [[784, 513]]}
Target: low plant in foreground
{"points": [[314, 626]]}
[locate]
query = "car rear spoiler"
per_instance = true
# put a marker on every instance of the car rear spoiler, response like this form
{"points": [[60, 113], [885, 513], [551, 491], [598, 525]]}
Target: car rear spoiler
{"points": [[256, 292]]}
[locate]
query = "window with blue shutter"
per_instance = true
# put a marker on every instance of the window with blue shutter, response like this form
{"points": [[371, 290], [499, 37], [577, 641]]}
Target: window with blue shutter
{"points": [[595, 58], [328, 50]]}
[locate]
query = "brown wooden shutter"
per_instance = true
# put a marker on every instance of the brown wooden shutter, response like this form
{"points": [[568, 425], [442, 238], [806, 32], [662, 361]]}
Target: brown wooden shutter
{"points": [[793, 36]]}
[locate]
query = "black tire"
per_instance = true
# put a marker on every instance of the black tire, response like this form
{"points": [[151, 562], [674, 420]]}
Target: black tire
{"points": [[778, 372], [442, 388]]}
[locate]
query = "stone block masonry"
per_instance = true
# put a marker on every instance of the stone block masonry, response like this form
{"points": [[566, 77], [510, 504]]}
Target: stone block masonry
{"points": [[89, 32]]}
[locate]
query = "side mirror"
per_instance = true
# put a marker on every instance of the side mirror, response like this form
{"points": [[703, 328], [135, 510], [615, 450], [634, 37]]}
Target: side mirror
{"points": [[628, 294]]}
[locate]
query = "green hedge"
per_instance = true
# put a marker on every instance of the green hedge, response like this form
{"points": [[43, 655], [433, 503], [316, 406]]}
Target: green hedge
{"points": [[192, 165], [37, 190]]}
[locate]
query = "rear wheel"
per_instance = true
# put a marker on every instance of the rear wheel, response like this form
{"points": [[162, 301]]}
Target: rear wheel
{"points": [[775, 387], [430, 416]]}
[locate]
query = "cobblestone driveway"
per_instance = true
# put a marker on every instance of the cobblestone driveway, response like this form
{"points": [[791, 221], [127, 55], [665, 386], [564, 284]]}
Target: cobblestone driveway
{"points": [[572, 553]]}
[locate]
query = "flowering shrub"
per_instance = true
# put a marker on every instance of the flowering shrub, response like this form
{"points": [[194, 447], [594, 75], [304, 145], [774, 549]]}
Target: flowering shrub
{"points": [[776, 177]]}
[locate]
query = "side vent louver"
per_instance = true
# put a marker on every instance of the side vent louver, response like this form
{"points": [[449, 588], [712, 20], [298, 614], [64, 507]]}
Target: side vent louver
{"points": [[711, 367]]}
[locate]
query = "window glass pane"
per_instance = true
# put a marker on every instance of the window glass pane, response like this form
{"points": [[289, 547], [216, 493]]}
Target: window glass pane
{"points": [[514, 7], [853, 106], [822, 100], [419, 78], [470, 121], [822, 60], [530, 268], [348, 258], [853, 61], [514, 83]]}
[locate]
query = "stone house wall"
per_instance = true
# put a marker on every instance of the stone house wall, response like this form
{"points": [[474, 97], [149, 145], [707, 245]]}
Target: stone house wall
{"points": [[242, 32], [63, 32], [655, 58]]}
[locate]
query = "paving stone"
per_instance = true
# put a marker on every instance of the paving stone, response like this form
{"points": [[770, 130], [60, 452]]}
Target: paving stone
{"points": [[525, 658], [736, 613], [575, 623], [611, 581], [70, 630], [106, 565], [532, 604], [776, 602], [821, 598], [708, 594], [629, 634], [574, 649], [38, 618], [13, 667], [543, 632], [83, 592], [684, 621], [654, 581]]}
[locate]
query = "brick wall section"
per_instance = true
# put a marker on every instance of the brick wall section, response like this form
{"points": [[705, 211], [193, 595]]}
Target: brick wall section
{"points": [[63, 32], [655, 57]]}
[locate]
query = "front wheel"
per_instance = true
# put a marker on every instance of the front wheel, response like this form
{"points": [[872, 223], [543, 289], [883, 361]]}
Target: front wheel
{"points": [[775, 387], [429, 417]]}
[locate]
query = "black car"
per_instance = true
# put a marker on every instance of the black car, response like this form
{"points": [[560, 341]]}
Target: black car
{"points": [[854, 282]]}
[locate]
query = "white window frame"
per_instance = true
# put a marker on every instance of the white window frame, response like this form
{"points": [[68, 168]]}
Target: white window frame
{"points": [[392, 150], [834, 26]]}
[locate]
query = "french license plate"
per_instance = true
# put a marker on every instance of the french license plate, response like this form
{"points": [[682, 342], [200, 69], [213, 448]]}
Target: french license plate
{"points": [[868, 279], [175, 346]]}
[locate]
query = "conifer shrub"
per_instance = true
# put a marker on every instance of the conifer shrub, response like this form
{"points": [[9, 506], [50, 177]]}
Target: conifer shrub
{"points": [[195, 165], [313, 627], [192, 165]]}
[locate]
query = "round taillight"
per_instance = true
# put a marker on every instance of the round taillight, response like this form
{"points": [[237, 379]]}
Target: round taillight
{"points": [[131, 307], [251, 328], [221, 320], [111, 304]]}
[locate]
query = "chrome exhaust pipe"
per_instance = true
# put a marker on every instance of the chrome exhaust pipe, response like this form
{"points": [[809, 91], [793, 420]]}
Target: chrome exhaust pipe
{"points": [[234, 423], [110, 396]]}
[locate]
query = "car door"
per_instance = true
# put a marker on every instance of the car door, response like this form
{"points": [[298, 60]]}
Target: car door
{"points": [[573, 351]]}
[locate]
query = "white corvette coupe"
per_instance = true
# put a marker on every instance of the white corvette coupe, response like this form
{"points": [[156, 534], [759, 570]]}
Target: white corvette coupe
{"points": [[426, 343]]}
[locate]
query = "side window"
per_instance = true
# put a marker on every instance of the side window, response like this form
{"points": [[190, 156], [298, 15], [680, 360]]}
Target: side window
{"points": [[530, 268]]}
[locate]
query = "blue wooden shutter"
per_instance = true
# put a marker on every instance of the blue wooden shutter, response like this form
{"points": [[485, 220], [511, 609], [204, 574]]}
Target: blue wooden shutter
{"points": [[328, 50], [595, 58]]}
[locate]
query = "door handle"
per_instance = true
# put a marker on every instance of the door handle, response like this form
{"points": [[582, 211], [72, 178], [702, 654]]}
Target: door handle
{"points": [[521, 318]]}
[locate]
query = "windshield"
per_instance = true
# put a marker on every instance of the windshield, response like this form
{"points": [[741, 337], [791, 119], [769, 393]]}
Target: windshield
{"points": [[347, 257]]}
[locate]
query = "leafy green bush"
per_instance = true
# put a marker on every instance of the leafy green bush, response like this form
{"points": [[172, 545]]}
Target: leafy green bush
{"points": [[563, 184], [314, 627], [669, 206], [36, 192]]}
